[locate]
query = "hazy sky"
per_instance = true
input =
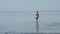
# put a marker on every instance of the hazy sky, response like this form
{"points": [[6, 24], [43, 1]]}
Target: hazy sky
{"points": [[23, 5]]}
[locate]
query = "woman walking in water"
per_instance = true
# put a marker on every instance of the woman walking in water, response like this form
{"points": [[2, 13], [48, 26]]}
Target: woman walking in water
{"points": [[37, 16]]}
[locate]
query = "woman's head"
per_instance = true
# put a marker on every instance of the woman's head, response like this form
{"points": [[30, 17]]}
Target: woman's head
{"points": [[36, 11]]}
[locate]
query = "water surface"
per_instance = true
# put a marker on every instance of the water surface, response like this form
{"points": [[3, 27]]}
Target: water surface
{"points": [[25, 21]]}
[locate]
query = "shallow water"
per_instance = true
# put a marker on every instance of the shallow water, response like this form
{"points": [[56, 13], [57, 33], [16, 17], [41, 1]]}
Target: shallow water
{"points": [[25, 22]]}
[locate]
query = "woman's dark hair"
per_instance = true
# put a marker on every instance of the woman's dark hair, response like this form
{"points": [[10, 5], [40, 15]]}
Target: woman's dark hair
{"points": [[37, 11]]}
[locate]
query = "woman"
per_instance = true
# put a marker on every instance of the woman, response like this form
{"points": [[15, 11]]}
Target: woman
{"points": [[37, 25]]}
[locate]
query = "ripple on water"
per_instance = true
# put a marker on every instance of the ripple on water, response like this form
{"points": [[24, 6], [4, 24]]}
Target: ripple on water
{"points": [[54, 26]]}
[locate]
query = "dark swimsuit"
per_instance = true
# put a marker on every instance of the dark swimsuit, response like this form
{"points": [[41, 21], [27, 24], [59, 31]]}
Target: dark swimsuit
{"points": [[36, 17]]}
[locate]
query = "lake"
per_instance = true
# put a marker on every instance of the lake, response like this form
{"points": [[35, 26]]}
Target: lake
{"points": [[24, 21]]}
